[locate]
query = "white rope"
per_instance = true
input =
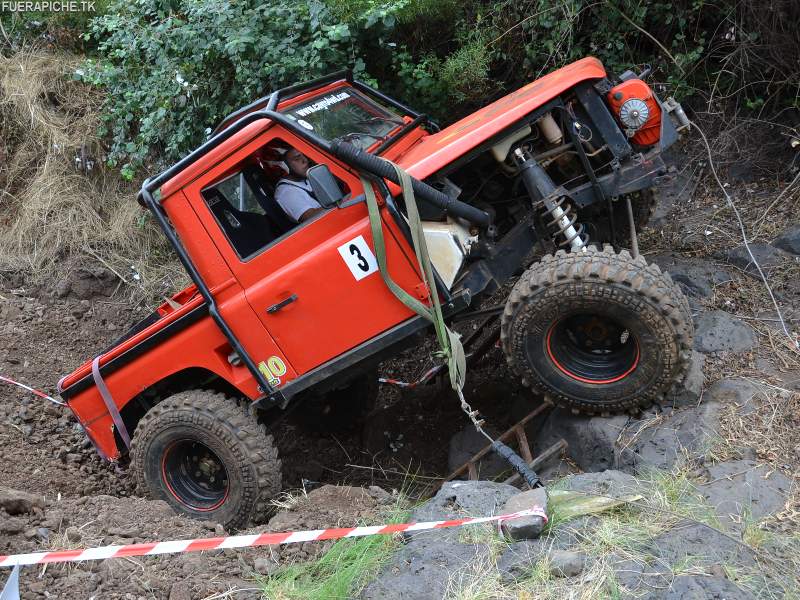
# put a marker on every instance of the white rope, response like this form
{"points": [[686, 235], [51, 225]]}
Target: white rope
{"points": [[711, 164]]}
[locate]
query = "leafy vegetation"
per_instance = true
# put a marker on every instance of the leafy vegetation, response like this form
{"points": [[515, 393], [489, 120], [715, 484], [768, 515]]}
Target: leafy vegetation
{"points": [[173, 69]]}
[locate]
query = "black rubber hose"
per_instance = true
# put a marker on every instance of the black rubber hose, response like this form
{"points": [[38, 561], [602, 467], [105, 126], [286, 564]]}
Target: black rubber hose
{"points": [[378, 166], [528, 474]]}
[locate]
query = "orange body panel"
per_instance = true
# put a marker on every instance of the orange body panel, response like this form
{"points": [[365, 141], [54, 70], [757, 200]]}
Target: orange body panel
{"points": [[337, 308], [438, 150]]}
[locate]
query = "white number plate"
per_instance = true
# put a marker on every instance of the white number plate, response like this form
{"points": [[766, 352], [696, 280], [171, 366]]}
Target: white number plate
{"points": [[358, 257]]}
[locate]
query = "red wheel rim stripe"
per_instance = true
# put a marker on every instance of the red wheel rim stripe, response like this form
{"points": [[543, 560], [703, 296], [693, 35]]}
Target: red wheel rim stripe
{"points": [[572, 375], [178, 498]]}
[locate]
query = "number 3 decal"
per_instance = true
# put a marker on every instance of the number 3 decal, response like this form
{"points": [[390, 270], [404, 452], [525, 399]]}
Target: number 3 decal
{"points": [[358, 257], [362, 262]]}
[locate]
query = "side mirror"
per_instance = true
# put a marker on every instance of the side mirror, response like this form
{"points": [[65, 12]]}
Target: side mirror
{"points": [[326, 188]]}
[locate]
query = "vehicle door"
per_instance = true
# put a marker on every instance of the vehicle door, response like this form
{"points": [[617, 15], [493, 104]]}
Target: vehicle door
{"points": [[317, 287]]}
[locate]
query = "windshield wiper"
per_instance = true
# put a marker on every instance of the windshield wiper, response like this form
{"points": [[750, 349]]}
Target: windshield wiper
{"points": [[358, 134]]}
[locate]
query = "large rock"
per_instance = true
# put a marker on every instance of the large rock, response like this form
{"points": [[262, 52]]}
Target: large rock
{"points": [[456, 499], [528, 527], [426, 563], [424, 571], [704, 545], [718, 331], [768, 257], [691, 390], [661, 441], [686, 542], [590, 440], [467, 443], [697, 277], [742, 393], [16, 502], [789, 240], [613, 484], [702, 587], [743, 490], [564, 563]]}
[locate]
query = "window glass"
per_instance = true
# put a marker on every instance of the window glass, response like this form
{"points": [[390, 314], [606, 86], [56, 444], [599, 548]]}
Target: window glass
{"points": [[236, 207], [238, 193], [346, 111]]}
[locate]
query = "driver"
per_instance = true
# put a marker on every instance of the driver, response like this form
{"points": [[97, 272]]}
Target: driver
{"points": [[294, 193]]}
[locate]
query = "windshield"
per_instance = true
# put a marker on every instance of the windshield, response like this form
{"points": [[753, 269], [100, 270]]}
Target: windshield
{"points": [[345, 111]]}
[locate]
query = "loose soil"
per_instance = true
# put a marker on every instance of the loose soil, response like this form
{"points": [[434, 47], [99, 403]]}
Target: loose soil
{"points": [[404, 444], [89, 502]]}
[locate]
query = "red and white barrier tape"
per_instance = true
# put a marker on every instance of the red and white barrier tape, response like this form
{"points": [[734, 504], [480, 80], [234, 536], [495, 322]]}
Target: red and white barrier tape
{"points": [[244, 541], [33, 391]]}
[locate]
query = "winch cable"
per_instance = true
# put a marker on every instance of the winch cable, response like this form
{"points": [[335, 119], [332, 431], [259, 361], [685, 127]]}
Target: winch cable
{"points": [[794, 341], [449, 341]]}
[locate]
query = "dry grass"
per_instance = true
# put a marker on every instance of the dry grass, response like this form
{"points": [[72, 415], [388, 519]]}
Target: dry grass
{"points": [[53, 215]]}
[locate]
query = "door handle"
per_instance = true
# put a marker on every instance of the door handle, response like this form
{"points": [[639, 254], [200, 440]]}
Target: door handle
{"points": [[276, 307]]}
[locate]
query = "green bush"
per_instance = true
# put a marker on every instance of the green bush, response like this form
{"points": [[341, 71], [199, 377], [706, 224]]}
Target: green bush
{"points": [[174, 68]]}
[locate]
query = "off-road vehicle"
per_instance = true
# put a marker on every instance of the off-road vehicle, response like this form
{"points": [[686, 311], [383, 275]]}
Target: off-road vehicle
{"points": [[281, 315]]}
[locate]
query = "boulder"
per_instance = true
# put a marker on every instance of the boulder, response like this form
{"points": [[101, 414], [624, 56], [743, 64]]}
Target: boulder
{"points": [[614, 484], [423, 571], [743, 490], [564, 563], [768, 257], [702, 587], [529, 527], [517, 561], [455, 499], [704, 545], [740, 392], [467, 443], [696, 277], [789, 240], [590, 439], [691, 390], [424, 566], [718, 331], [16, 502], [661, 441]]}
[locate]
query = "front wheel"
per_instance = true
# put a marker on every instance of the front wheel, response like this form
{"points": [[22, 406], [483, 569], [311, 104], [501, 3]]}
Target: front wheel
{"points": [[600, 332], [207, 457]]}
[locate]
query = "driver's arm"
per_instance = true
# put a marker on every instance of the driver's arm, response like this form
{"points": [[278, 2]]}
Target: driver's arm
{"points": [[310, 213]]}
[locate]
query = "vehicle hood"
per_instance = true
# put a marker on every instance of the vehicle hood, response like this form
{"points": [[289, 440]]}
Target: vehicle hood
{"points": [[436, 151]]}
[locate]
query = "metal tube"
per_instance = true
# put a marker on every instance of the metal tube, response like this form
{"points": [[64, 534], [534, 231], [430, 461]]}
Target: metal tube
{"points": [[632, 226]]}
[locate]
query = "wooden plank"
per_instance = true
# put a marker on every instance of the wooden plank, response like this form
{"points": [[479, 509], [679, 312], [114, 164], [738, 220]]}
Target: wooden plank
{"points": [[503, 438]]}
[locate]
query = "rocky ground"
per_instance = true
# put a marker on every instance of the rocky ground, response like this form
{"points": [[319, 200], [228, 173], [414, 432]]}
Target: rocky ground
{"points": [[718, 519]]}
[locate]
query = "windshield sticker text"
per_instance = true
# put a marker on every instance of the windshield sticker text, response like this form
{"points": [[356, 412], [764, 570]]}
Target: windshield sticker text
{"points": [[322, 104]]}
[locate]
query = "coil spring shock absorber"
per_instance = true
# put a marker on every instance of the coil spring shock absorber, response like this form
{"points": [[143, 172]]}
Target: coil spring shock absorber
{"points": [[542, 191]]}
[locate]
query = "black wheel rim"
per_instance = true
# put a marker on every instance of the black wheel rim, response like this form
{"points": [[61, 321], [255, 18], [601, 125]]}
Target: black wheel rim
{"points": [[194, 475], [593, 348]]}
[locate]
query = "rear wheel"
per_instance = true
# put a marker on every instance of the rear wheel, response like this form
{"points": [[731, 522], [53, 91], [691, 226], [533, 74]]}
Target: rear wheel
{"points": [[600, 332], [207, 457]]}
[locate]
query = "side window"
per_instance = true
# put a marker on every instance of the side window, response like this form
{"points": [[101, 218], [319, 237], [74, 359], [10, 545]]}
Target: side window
{"points": [[236, 206], [236, 190]]}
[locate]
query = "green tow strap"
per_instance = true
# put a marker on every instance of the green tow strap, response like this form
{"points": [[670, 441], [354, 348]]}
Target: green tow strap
{"points": [[449, 341]]}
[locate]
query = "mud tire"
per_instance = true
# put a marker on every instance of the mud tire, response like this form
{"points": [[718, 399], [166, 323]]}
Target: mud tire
{"points": [[226, 426], [645, 301]]}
